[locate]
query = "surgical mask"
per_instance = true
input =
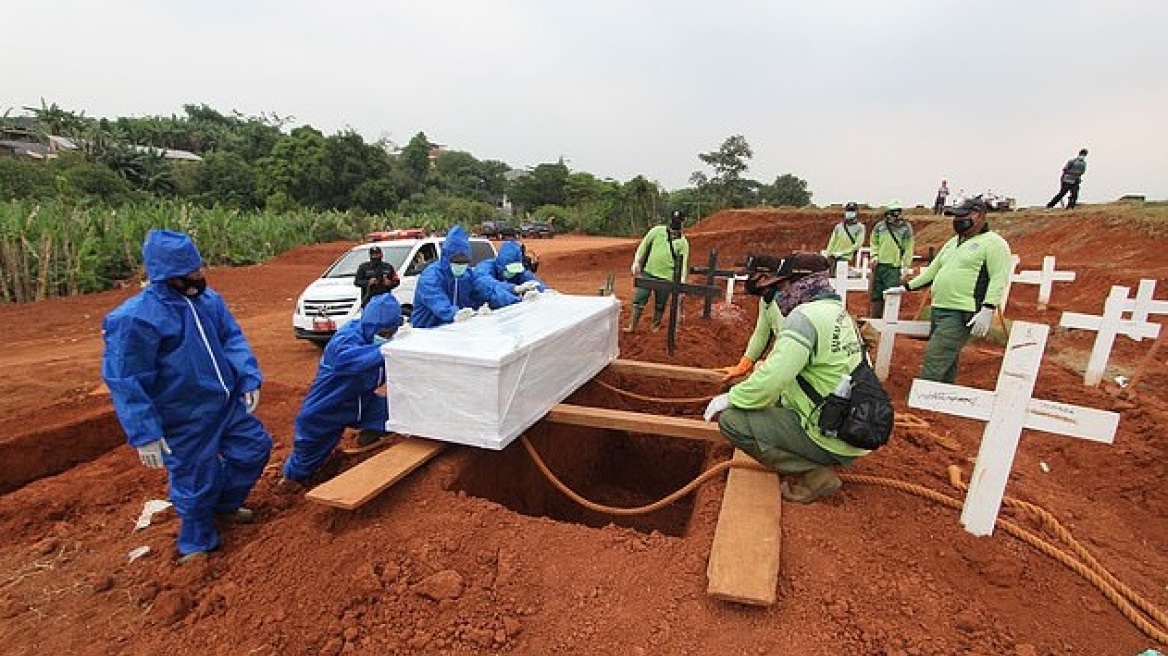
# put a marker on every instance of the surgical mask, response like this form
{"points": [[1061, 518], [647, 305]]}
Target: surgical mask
{"points": [[192, 286], [850, 216], [458, 269], [962, 224], [513, 269]]}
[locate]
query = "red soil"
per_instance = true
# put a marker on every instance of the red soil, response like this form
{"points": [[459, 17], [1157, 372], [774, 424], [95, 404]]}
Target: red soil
{"points": [[474, 553]]}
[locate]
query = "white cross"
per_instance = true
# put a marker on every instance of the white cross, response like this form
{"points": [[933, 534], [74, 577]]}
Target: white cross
{"points": [[1045, 279], [1108, 326], [843, 283], [1014, 260], [1145, 303], [889, 326], [730, 286], [862, 261], [1007, 410]]}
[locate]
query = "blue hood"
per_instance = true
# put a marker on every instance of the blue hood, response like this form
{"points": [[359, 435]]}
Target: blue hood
{"points": [[383, 311], [456, 242], [168, 254], [509, 253]]}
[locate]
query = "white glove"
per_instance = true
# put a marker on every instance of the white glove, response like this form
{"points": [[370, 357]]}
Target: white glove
{"points": [[484, 310], [463, 314], [899, 289], [531, 295], [635, 269], [251, 400], [979, 325], [523, 288], [549, 292], [150, 453], [906, 271], [717, 404], [402, 330]]}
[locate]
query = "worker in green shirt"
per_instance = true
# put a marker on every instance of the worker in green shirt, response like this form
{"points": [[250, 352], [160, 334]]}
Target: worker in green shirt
{"points": [[661, 250], [759, 268], [847, 237], [892, 253], [968, 278], [768, 415]]}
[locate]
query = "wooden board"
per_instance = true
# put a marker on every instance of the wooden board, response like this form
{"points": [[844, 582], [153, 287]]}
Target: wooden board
{"points": [[354, 487], [634, 422], [637, 368], [744, 558]]}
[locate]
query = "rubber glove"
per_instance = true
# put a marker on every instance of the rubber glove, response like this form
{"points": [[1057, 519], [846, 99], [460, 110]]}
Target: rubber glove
{"points": [[150, 453], [531, 295], [635, 269], [251, 400], [463, 315], [717, 404], [906, 271], [484, 310], [899, 289], [523, 288], [402, 330], [979, 325], [741, 369]]}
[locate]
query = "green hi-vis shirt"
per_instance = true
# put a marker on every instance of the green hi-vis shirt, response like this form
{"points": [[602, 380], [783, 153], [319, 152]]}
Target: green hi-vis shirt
{"points": [[819, 341], [968, 273], [768, 324], [660, 263], [885, 249], [845, 240]]}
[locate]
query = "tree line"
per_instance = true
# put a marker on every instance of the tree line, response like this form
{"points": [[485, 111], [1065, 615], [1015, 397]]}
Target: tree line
{"points": [[258, 163]]}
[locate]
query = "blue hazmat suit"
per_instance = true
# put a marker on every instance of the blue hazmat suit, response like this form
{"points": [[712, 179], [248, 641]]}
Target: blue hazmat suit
{"points": [[509, 253], [440, 294], [344, 391], [177, 367]]}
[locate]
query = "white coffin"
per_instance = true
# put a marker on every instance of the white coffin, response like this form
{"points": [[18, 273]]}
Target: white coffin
{"points": [[484, 381]]}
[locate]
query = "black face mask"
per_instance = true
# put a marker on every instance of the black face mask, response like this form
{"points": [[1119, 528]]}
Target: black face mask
{"points": [[752, 287], [962, 224], [192, 286]]}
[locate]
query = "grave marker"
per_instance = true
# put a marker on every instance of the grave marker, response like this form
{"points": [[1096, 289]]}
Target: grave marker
{"points": [[674, 289], [889, 326], [1045, 279], [1108, 326], [1007, 410], [843, 283]]}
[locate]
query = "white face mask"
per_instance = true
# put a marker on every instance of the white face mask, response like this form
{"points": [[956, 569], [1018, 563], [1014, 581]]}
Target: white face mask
{"points": [[850, 216], [513, 269], [458, 269]]}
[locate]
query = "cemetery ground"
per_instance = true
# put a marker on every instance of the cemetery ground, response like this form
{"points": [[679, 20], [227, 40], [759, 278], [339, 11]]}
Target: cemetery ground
{"points": [[475, 553]]}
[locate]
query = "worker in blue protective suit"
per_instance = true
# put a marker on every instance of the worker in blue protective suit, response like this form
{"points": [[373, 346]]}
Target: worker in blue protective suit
{"points": [[508, 268], [451, 290], [184, 383], [344, 391]]}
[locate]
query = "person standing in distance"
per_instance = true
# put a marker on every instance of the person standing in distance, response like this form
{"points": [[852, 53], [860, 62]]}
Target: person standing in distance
{"points": [[942, 197], [375, 276], [185, 385], [892, 246], [659, 254], [847, 237], [968, 278], [1072, 175]]}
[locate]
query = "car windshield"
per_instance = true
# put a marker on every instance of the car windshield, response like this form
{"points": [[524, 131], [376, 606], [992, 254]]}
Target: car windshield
{"points": [[346, 267]]}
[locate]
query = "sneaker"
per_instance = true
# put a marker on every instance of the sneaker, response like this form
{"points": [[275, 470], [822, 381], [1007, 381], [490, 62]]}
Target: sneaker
{"points": [[289, 486], [370, 437], [193, 557], [240, 515]]}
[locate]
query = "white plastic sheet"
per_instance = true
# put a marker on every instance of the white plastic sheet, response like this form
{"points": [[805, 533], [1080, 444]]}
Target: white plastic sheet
{"points": [[484, 381]]}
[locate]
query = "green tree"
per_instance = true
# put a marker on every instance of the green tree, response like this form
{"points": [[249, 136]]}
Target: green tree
{"points": [[415, 158], [787, 190], [543, 185], [726, 187], [226, 178]]}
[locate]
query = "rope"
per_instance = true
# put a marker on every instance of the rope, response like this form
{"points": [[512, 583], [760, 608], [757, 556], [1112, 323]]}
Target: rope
{"points": [[655, 399], [1139, 611]]}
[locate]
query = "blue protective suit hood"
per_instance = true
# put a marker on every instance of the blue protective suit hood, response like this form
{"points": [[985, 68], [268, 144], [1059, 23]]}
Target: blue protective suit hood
{"points": [[168, 254], [382, 312], [456, 241], [509, 253]]}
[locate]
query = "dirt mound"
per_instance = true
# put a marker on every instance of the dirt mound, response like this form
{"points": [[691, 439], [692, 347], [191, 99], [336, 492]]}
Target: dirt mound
{"points": [[477, 553]]}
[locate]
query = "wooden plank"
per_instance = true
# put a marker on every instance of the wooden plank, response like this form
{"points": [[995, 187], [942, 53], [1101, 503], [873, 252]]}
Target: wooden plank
{"points": [[744, 558], [354, 487], [637, 368], [635, 422]]}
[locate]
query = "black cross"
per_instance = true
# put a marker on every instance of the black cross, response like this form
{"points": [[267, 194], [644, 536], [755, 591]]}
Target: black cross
{"points": [[675, 288]]}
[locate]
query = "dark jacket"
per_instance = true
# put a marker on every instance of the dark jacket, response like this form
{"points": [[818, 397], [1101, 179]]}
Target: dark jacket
{"points": [[371, 277]]}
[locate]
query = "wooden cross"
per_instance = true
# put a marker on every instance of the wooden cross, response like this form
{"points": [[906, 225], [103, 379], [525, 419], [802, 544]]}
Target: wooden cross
{"points": [[1007, 410], [1108, 326], [711, 272], [674, 289], [843, 283], [889, 326], [1045, 279]]}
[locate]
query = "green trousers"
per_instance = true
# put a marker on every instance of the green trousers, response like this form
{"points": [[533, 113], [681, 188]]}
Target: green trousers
{"points": [[947, 336], [884, 276], [641, 295], [775, 437]]}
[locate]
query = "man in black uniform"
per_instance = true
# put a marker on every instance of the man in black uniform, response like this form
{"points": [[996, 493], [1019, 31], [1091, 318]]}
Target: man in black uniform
{"points": [[375, 276]]}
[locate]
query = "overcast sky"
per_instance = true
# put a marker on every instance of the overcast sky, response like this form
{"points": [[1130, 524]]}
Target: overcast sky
{"points": [[866, 100]]}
